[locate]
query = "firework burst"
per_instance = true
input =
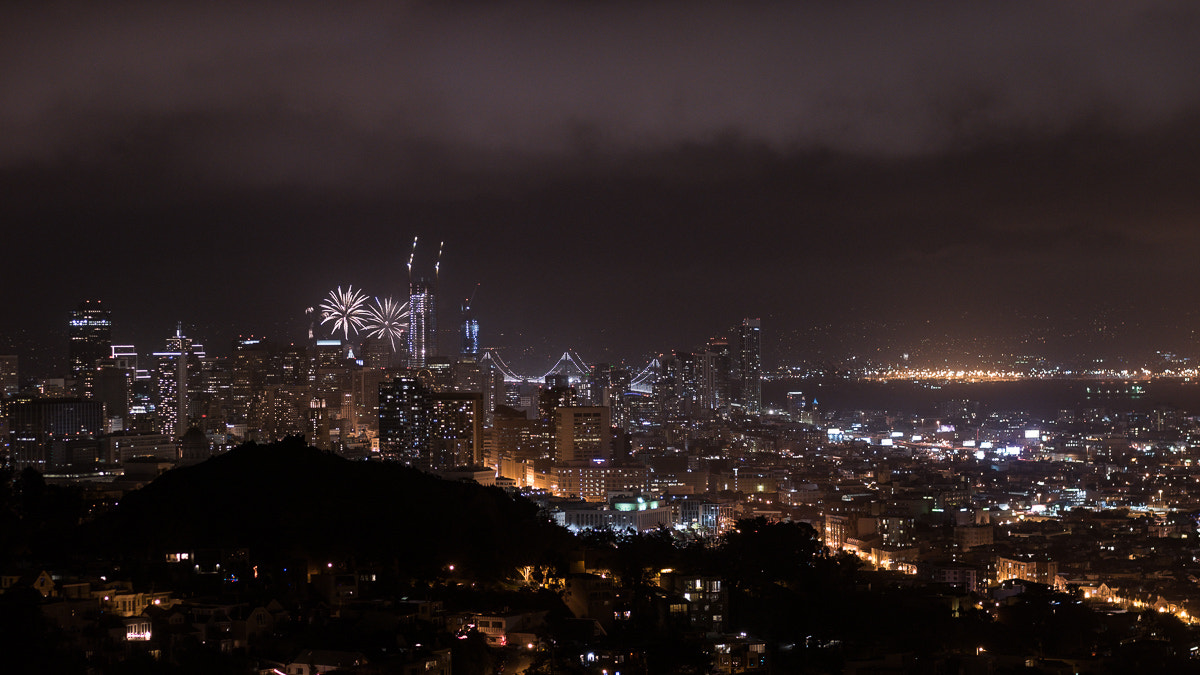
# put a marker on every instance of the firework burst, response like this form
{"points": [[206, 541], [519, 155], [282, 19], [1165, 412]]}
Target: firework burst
{"points": [[387, 319], [346, 309]]}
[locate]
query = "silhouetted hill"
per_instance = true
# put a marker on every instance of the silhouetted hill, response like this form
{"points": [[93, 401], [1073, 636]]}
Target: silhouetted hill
{"points": [[287, 499]]}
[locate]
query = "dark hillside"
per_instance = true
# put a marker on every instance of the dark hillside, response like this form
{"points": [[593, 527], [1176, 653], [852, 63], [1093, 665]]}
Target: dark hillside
{"points": [[287, 500]]}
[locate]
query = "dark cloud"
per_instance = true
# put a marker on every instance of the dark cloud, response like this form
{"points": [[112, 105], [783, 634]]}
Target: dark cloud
{"points": [[294, 91], [644, 171]]}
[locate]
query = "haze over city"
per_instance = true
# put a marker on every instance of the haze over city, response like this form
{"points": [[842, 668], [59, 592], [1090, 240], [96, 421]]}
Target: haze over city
{"points": [[707, 337], [621, 179]]}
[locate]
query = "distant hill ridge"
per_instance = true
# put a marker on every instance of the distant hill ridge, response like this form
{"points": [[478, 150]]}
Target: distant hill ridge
{"points": [[287, 499]]}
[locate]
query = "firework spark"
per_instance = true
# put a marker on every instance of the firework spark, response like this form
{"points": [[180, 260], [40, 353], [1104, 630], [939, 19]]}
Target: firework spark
{"points": [[387, 319], [347, 310]]}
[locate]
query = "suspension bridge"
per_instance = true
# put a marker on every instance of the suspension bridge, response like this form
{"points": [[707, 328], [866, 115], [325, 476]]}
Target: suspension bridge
{"points": [[571, 365]]}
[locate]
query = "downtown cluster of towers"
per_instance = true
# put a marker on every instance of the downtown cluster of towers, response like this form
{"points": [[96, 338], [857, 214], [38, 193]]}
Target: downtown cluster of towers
{"points": [[115, 404]]}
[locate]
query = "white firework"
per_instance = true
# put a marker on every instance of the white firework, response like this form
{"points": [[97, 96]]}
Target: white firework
{"points": [[346, 309], [387, 319]]}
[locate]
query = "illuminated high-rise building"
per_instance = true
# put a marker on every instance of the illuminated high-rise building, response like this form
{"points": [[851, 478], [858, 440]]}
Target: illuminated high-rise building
{"points": [[431, 430], [251, 365], [470, 332], [403, 419], [54, 433], [455, 429], [9, 381], [89, 332], [582, 434], [319, 421], [749, 365], [422, 322], [176, 366], [714, 376]]}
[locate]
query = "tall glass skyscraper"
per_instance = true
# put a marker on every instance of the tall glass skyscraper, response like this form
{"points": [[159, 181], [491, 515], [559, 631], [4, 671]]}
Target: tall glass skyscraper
{"points": [[750, 364], [90, 334], [176, 366], [422, 322], [404, 419]]}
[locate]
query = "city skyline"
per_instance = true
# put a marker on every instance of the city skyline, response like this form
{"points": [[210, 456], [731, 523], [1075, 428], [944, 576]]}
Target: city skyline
{"points": [[861, 347], [877, 324], [615, 180]]}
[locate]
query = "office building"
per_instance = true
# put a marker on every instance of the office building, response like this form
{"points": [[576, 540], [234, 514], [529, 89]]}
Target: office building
{"points": [[175, 368], [403, 429], [427, 429], [89, 334], [53, 433], [376, 353], [455, 429], [595, 482], [749, 365], [513, 435], [9, 381], [125, 446], [582, 434]]}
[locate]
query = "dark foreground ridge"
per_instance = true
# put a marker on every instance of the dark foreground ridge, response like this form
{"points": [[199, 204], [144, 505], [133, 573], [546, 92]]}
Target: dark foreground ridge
{"points": [[287, 500]]}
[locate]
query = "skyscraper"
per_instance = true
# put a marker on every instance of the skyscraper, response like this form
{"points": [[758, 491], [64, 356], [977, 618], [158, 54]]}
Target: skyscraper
{"points": [[403, 419], [749, 365], [175, 366], [582, 434], [9, 381], [713, 370], [54, 433], [470, 331], [455, 429], [422, 322], [89, 331], [431, 430]]}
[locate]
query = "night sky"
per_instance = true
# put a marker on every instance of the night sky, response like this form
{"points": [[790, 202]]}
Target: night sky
{"points": [[622, 178]]}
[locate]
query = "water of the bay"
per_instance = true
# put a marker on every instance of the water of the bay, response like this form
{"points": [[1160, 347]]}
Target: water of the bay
{"points": [[1043, 397]]}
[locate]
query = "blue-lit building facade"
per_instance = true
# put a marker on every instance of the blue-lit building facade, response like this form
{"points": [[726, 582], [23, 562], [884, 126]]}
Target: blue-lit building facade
{"points": [[422, 322], [470, 333]]}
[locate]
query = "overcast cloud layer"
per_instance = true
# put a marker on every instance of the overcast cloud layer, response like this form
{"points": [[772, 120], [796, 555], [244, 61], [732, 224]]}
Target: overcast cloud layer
{"points": [[301, 91], [784, 159]]}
